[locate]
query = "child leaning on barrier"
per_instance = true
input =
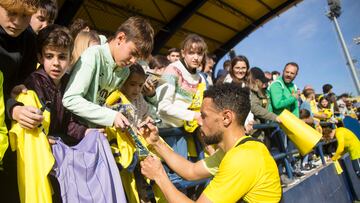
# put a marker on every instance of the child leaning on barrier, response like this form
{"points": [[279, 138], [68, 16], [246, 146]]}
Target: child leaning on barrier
{"points": [[55, 45], [47, 85], [102, 69], [135, 109], [130, 102], [305, 115], [181, 93], [347, 142]]}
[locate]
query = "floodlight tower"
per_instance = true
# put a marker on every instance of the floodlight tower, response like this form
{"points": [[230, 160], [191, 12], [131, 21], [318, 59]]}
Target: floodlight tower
{"points": [[333, 14]]}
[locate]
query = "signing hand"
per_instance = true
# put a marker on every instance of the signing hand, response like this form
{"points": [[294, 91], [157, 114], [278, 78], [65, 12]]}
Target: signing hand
{"points": [[152, 168], [150, 132]]}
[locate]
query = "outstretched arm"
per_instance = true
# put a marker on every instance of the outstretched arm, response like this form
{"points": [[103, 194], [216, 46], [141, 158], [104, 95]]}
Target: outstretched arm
{"points": [[186, 169], [152, 168]]}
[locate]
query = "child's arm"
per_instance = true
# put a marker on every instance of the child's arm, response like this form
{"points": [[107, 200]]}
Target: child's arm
{"points": [[75, 129], [340, 149], [27, 116], [34, 118], [258, 110], [74, 98], [149, 88]]}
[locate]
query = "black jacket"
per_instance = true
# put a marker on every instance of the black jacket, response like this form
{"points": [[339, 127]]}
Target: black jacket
{"points": [[62, 123], [17, 58]]}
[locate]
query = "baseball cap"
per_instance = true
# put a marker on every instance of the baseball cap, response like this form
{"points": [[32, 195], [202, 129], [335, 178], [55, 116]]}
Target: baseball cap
{"points": [[257, 73]]}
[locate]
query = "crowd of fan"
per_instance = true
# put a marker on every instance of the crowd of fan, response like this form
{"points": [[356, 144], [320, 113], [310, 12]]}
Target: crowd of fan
{"points": [[90, 82]]}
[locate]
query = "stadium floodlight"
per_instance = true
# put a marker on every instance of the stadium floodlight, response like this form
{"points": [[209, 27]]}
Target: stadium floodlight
{"points": [[333, 14], [335, 7]]}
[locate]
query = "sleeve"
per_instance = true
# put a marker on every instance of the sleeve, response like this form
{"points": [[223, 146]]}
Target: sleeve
{"points": [[10, 104], [259, 111], [152, 100], [276, 95], [234, 177], [143, 106], [212, 162], [3, 130], [146, 112], [166, 105], [74, 98], [33, 83], [75, 129], [340, 148], [313, 107]]}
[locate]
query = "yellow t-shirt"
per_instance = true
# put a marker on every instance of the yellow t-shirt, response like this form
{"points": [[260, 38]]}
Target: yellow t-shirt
{"points": [[313, 106], [212, 162], [247, 172], [347, 142]]}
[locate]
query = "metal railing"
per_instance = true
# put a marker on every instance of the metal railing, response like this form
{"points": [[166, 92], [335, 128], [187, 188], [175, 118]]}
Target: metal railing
{"points": [[285, 154]]}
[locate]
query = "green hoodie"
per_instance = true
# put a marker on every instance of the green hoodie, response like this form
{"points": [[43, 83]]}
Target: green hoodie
{"points": [[281, 97], [94, 77]]}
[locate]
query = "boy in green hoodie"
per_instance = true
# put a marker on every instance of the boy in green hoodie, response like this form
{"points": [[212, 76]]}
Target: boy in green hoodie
{"points": [[102, 69]]}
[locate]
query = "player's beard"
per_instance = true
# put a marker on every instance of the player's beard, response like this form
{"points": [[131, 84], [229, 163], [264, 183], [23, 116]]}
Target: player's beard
{"points": [[215, 138]]}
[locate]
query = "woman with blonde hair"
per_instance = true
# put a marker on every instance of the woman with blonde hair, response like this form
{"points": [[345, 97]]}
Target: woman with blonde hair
{"points": [[82, 41]]}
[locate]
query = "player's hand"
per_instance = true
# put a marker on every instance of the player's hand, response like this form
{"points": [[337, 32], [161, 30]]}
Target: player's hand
{"points": [[152, 168], [150, 132]]}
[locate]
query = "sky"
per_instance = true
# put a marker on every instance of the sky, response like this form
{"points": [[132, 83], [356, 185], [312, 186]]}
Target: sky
{"points": [[303, 34]]}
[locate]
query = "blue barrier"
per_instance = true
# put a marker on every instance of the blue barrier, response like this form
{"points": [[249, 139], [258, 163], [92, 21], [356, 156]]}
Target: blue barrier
{"points": [[284, 154], [323, 186], [350, 177], [353, 125]]}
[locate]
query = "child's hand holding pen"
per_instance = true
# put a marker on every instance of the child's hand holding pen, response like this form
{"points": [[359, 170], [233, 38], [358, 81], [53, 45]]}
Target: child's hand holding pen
{"points": [[121, 121], [149, 131]]}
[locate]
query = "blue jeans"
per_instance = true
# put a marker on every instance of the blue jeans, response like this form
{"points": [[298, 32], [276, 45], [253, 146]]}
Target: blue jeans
{"points": [[176, 139]]}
